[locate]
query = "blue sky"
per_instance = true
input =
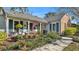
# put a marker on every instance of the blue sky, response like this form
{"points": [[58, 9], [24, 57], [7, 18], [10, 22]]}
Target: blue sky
{"points": [[39, 11]]}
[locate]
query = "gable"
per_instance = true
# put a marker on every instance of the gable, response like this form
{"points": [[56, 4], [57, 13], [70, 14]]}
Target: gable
{"points": [[65, 18]]}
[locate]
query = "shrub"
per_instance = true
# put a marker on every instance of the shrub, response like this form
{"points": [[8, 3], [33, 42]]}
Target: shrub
{"points": [[3, 36], [37, 42], [16, 46], [21, 43], [53, 35], [19, 26], [29, 44], [13, 47], [40, 40], [18, 37], [76, 38], [3, 48], [25, 36], [70, 31], [49, 40], [77, 32]]}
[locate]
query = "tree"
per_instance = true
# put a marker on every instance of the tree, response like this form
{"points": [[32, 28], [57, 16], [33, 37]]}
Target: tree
{"points": [[20, 9], [73, 11], [50, 14], [70, 10], [4, 15], [72, 17]]}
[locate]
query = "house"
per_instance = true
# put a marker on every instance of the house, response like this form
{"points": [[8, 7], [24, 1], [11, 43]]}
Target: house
{"points": [[29, 22], [58, 23]]}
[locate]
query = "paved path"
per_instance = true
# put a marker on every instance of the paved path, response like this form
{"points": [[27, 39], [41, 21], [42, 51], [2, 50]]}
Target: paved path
{"points": [[59, 45]]}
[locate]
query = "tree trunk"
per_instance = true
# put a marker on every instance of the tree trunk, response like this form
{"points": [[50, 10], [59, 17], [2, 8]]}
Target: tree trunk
{"points": [[5, 20]]}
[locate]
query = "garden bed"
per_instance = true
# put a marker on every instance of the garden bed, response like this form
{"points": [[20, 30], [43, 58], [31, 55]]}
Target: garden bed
{"points": [[25, 43]]}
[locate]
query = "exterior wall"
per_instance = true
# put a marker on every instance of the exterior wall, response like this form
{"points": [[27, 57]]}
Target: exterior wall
{"points": [[2, 24], [65, 23], [48, 27], [56, 26]]}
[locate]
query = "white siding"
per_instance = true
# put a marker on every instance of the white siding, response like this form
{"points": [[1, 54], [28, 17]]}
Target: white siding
{"points": [[48, 27]]}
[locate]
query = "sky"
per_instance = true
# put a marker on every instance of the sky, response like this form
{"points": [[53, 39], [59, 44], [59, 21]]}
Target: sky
{"points": [[39, 11]]}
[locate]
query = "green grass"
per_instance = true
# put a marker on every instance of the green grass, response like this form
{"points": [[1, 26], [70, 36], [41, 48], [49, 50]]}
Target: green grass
{"points": [[72, 47]]}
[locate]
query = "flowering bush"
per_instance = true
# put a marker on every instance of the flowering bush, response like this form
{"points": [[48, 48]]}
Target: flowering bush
{"points": [[70, 31], [3, 36]]}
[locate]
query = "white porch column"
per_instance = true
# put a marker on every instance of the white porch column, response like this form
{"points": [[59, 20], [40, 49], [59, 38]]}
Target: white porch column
{"points": [[7, 26], [59, 28], [13, 25], [55, 27], [52, 27], [40, 27], [28, 27]]}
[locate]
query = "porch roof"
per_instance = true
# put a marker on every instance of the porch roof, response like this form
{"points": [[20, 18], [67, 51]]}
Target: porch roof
{"points": [[26, 17]]}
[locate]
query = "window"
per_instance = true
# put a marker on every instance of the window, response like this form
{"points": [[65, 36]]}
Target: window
{"points": [[57, 27], [50, 27], [10, 24], [53, 27]]}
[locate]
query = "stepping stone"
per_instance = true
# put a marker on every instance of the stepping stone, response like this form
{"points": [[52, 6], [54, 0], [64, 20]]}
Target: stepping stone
{"points": [[61, 44], [66, 41], [66, 38], [57, 48], [52, 47]]}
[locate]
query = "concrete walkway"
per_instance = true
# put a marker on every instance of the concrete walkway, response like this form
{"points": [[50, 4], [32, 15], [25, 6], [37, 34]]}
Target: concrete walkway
{"points": [[59, 45]]}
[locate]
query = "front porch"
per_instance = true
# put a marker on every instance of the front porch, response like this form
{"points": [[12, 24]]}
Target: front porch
{"points": [[28, 26]]}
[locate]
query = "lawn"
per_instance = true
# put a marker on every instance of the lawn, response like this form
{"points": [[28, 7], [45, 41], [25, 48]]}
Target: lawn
{"points": [[72, 47]]}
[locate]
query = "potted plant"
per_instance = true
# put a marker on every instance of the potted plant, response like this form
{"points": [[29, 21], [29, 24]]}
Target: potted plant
{"points": [[18, 26]]}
